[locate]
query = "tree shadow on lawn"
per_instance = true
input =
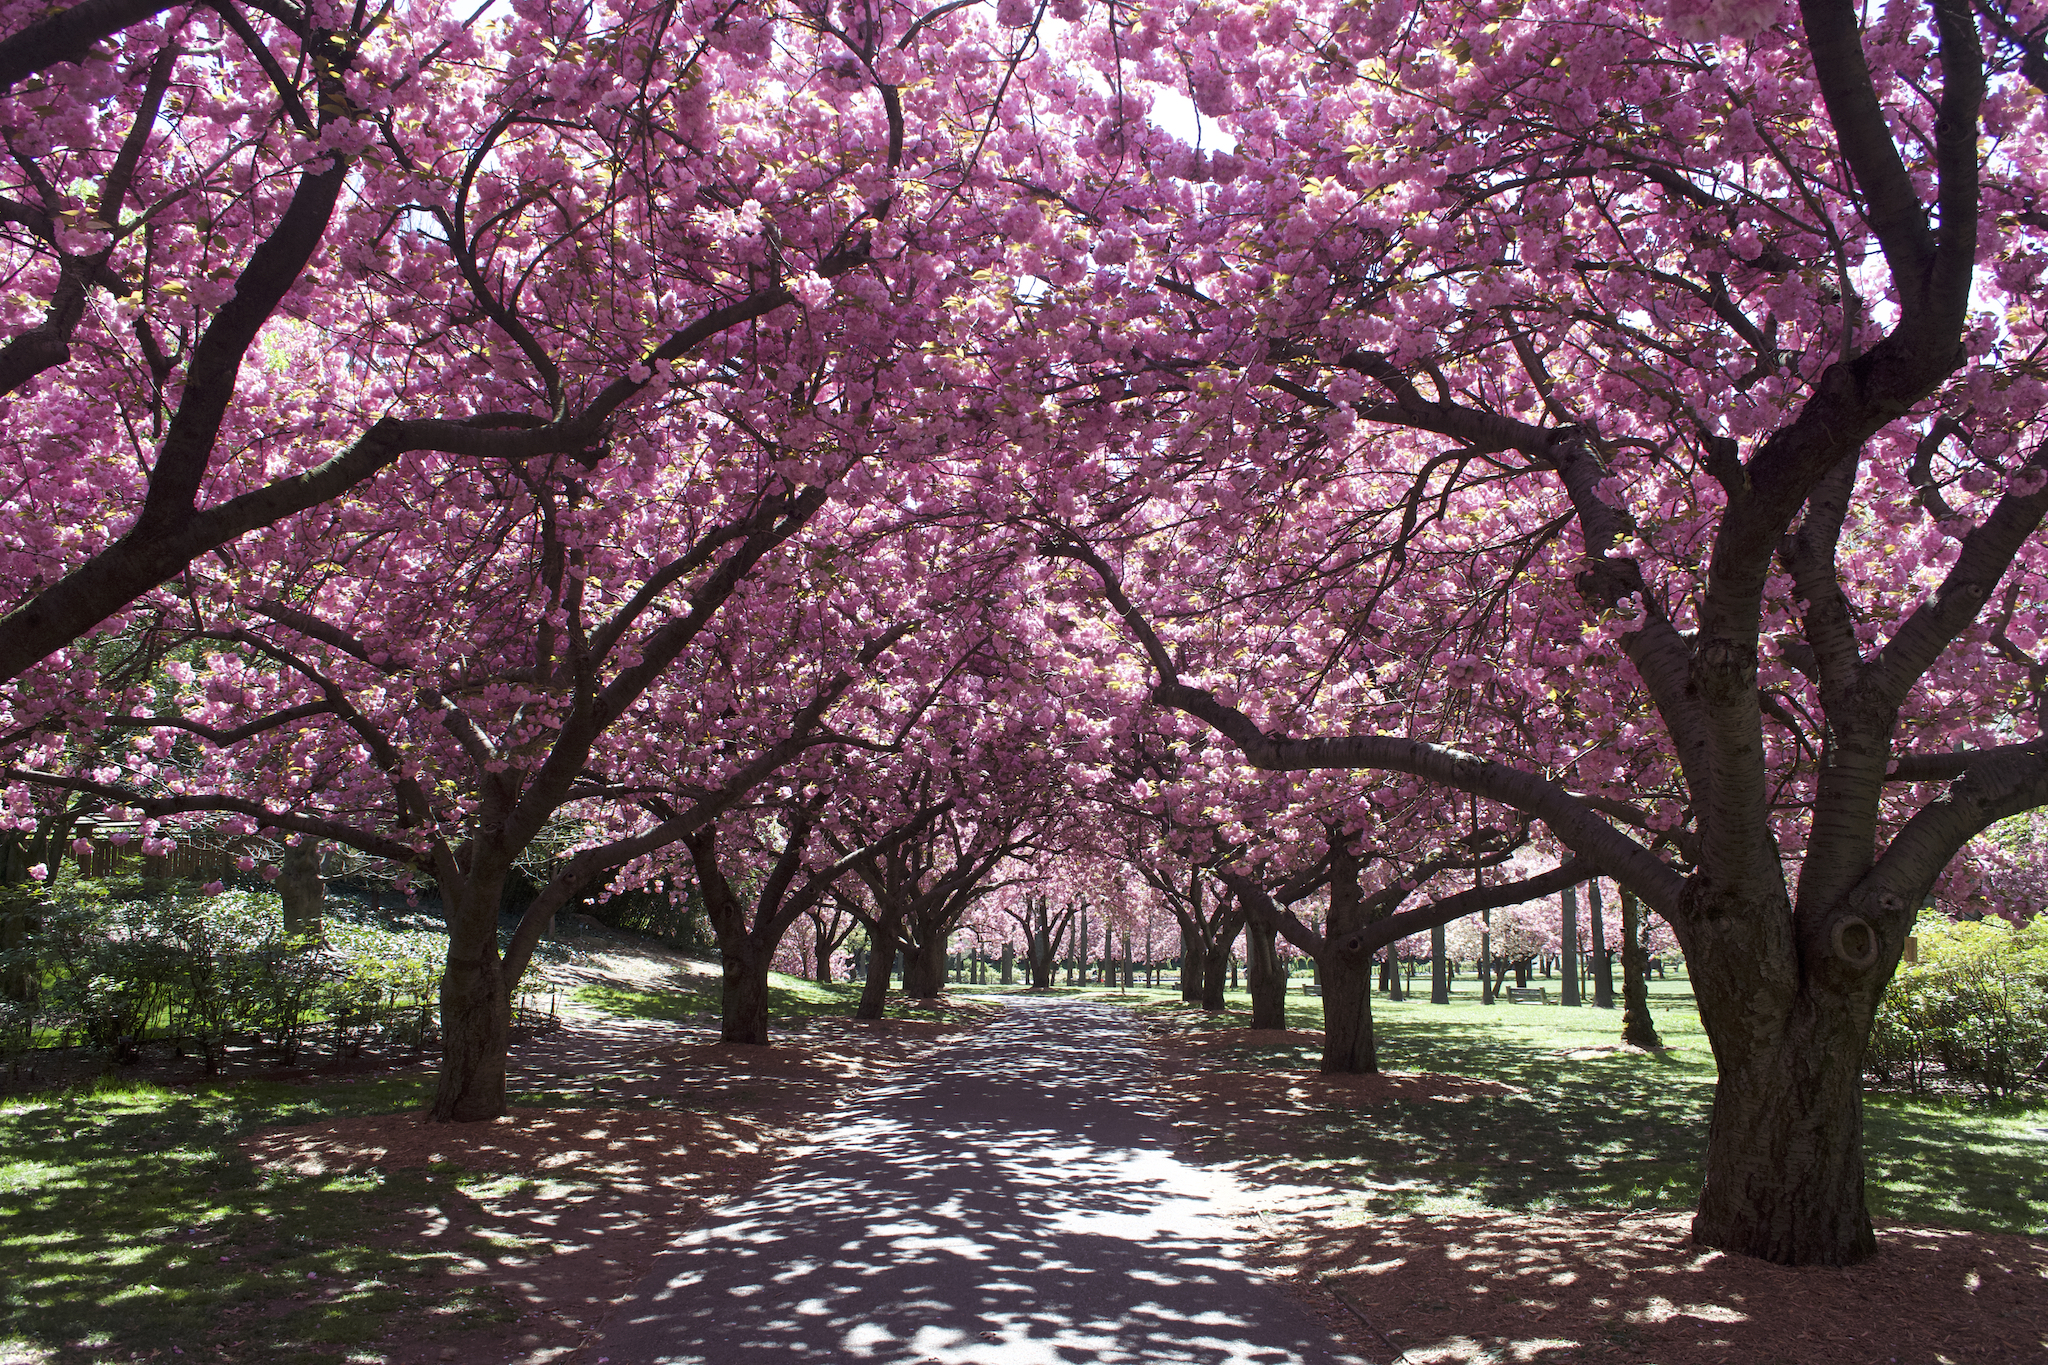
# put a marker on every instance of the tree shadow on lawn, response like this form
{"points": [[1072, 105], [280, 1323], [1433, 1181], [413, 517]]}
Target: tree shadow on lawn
{"points": [[1618, 1131], [146, 1217], [1479, 1215], [127, 1218], [1587, 1126]]}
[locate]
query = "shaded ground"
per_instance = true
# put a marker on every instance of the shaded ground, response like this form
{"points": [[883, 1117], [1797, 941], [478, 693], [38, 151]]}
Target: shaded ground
{"points": [[559, 1212], [1016, 1201], [1431, 1275], [304, 1216]]}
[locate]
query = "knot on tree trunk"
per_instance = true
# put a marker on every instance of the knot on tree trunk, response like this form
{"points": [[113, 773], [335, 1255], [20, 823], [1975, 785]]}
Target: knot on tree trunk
{"points": [[1855, 942], [1726, 670]]}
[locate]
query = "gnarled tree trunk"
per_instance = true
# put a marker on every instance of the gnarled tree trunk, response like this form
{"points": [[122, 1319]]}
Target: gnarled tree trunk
{"points": [[476, 1026], [1194, 965], [1784, 1165], [924, 969], [1346, 977]]}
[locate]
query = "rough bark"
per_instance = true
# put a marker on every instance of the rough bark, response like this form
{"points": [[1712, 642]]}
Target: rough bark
{"points": [[1194, 967], [1348, 1043], [882, 944], [1603, 960], [1636, 1025], [300, 887], [1346, 976], [1439, 968], [476, 1023], [924, 969], [743, 1001], [1265, 976], [1009, 963], [1784, 1164]]}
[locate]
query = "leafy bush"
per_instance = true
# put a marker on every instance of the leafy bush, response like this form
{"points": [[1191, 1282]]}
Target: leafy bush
{"points": [[1974, 1007], [114, 966]]}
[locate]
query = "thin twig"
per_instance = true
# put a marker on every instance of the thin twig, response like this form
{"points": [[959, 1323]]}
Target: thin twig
{"points": [[1352, 1304]]}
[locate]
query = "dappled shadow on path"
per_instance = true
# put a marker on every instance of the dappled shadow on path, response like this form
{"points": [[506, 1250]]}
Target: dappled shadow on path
{"points": [[1017, 1206]]}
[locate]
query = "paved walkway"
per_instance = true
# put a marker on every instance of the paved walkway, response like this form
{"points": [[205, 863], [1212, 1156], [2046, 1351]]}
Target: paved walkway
{"points": [[1018, 1205]]}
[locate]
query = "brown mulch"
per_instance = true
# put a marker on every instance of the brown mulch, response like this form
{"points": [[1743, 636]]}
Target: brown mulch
{"points": [[1624, 1288], [1490, 1288]]}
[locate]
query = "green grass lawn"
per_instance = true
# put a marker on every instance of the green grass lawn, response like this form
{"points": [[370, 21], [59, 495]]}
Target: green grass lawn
{"points": [[789, 998], [129, 1219], [1609, 1129]]}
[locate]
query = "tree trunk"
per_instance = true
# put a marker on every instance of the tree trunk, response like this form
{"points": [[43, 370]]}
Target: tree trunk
{"points": [[1009, 963], [743, 999], [1193, 967], [1784, 1167], [1216, 970], [1040, 961], [476, 1029], [299, 884], [1603, 961], [1346, 979], [1636, 1025], [1568, 961], [1394, 986], [924, 969], [874, 992], [1266, 977], [1348, 1044], [1439, 968], [824, 952]]}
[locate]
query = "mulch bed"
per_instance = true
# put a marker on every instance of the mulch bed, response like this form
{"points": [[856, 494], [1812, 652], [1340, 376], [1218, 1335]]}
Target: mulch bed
{"points": [[1604, 1288], [1607, 1287]]}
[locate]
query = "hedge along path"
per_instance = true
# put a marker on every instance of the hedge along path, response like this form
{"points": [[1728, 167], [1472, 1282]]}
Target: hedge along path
{"points": [[1018, 1204]]}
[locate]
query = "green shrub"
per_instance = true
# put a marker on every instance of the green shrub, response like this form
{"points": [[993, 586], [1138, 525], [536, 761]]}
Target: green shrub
{"points": [[1975, 1007], [116, 964]]}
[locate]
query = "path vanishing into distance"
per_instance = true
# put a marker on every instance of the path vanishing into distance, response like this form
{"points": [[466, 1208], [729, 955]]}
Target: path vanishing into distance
{"points": [[1019, 1204]]}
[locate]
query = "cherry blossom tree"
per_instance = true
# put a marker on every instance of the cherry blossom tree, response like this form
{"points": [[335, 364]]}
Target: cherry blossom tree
{"points": [[1573, 383]]}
